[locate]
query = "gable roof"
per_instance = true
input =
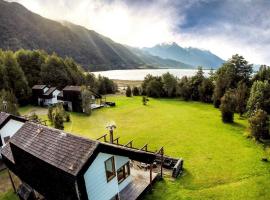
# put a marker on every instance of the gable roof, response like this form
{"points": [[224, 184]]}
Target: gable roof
{"points": [[39, 87], [5, 117], [72, 154], [72, 88], [49, 91], [62, 150]]}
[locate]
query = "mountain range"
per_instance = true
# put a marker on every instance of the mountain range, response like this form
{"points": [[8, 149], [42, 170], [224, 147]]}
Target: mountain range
{"points": [[191, 56], [21, 28]]}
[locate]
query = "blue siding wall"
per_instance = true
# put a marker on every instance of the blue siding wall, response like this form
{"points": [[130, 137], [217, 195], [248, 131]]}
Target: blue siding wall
{"points": [[96, 181]]}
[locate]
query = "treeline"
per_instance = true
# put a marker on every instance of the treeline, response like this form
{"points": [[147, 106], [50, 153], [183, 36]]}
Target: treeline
{"points": [[233, 88], [22, 69]]}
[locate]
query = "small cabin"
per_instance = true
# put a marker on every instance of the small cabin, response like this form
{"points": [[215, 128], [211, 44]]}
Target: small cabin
{"points": [[62, 166], [44, 95]]}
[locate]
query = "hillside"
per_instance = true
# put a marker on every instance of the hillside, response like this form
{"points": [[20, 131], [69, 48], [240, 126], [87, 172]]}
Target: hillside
{"points": [[21, 28], [191, 56]]}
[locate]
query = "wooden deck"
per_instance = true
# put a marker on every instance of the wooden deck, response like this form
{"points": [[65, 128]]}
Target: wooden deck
{"points": [[140, 183]]}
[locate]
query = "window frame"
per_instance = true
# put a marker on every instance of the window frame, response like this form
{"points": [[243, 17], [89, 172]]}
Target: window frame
{"points": [[126, 172], [113, 168]]}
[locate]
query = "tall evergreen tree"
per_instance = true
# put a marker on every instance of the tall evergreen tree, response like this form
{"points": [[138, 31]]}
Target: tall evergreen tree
{"points": [[227, 106]]}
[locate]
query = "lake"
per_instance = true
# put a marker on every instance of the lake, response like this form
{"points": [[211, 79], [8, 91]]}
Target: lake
{"points": [[139, 74]]}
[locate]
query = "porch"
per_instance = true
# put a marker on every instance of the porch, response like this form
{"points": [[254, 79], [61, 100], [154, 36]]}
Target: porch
{"points": [[139, 185]]}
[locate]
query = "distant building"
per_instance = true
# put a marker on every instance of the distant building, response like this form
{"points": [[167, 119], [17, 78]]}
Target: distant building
{"points": [[61, 166], [44, 95], [71, 98]]}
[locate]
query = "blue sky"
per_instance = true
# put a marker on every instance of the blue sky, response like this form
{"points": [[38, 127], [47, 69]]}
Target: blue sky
{"points": [[224, 27]]}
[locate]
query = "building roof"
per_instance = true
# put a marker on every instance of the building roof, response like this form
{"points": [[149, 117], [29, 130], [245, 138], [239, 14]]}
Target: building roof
{"points": [[72, 88], [72, 154], [49, 91], [62, 150], [39, 87], [8, 153], [3, 118]]}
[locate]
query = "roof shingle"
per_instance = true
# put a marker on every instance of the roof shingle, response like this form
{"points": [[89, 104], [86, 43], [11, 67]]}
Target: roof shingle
{"points": [[62, 150]]}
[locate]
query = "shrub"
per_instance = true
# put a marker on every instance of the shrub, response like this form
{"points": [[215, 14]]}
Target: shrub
{"points": [[128, 92], [227, 106], [135, 91], [259, 124], [145, 100]]}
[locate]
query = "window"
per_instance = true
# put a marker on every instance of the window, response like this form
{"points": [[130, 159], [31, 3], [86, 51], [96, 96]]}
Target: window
{"points": [[123, 172], [110, 169], [6, 139]]}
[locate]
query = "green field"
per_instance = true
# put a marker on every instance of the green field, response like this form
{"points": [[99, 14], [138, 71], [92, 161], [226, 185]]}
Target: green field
{"points": [[220, 162]]}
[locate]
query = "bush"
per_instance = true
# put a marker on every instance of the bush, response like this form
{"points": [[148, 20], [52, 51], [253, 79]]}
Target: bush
{"points": [[259, 125], [135, 91], [227, 106], [128, 92], [145, 100], [57, 116]]}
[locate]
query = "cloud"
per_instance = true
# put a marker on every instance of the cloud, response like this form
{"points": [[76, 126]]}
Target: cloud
{"points": [[224, 27]]}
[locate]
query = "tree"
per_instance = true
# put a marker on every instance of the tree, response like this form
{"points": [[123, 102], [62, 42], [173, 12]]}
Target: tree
{"points": [[86, 101], [241, 97], [195, 83], [16, 80], [155, 88], [128, 91], [54, 72], [30, 62], [169, 84], [263, 74], [259, 97], [227, 106], [8, 102], [184, 88], [135, 91], [57, 115], [233, 71], [206, 90], [259, 125]]}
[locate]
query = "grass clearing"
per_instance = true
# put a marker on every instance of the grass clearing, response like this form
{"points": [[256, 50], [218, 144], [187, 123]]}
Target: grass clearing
{"points": [[220, 163]]}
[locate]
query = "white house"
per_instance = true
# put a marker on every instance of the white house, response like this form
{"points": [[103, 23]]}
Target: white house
{"points": [[44, 95]]}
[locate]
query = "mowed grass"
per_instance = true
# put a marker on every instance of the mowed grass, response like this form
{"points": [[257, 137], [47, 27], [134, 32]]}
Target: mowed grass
{"points": [[220, 162]]}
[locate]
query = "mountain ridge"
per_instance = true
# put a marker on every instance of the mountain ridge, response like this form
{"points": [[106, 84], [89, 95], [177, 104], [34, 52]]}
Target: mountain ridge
{"points": [[190, 55]]}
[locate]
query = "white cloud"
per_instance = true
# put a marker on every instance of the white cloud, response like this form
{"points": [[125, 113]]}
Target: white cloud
{"points": [[150, 23]]}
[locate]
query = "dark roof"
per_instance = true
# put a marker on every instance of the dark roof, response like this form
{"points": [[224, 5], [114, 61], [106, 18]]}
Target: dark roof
{"points": [[39, 87], [72, 88], [3, 117], [6, 151], [49, 91], [62, 150]]}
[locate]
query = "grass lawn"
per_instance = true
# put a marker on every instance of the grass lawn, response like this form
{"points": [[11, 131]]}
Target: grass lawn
{"points": [[220, 163]]}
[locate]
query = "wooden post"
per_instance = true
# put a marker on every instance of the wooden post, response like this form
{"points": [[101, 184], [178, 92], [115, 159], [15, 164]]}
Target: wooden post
{"points": [[151, 177], [144, 147], [162, 160], [11, 180]]}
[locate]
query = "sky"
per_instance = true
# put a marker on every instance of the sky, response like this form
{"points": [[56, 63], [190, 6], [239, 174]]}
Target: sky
{"points": [[225, 27]]}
